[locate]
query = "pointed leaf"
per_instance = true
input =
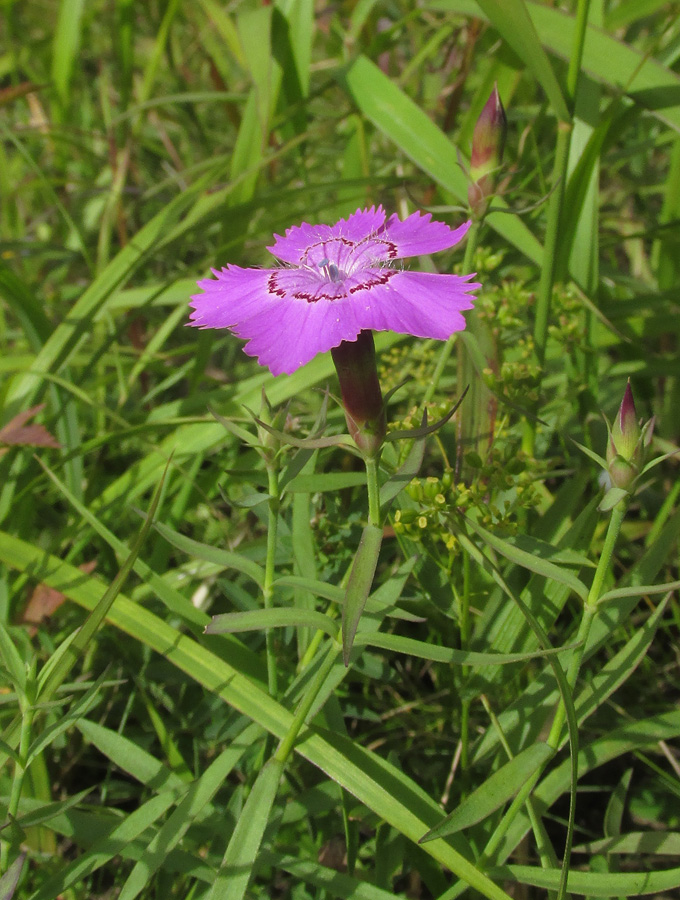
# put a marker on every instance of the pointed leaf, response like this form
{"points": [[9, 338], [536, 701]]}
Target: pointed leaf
{"points": [[244, 845], [359, 585], [494, 792], [10, 879], [273, 617]]}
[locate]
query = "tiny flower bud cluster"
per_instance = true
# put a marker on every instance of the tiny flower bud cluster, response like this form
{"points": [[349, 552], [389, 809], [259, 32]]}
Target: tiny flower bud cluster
{"points": [[502, 486]]}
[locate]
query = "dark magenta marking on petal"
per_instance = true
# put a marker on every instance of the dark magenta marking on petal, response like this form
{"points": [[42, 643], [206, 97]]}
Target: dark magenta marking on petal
{"points": [[373, 278]]}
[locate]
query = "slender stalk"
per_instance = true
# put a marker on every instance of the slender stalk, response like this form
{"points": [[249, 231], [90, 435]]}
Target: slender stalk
{"points": [[545, 285], [548, 267], [373, 485], [553, 740], [20, 768], [465, 670], [269, 570], [287, 744], [589, 612], [576, 57], [445, 353]]}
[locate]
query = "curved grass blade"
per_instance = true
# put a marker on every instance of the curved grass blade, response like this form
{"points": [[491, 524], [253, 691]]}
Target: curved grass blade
{"points": [[380, 786], [239, 860], [87, 630]]}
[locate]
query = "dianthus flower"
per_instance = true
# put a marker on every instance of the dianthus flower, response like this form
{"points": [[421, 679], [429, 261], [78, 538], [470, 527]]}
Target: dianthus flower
{"points": [[337, 281]]}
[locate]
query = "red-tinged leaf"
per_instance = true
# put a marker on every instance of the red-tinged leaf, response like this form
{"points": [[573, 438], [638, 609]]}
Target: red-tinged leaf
{"points": [[45, 600], [17, 431], [9, 94]]}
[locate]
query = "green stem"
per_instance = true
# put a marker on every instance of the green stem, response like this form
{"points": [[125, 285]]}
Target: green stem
{"points": [[373, 485], [269, 571], [548, 265], [576, 56], [465, 670], [553, 740], [559, 176], [20, 768], [589, 612], [288, 741], [470, 248]]}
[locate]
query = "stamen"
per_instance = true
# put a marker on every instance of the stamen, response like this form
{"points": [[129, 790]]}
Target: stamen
{"points": [[330, 270]]}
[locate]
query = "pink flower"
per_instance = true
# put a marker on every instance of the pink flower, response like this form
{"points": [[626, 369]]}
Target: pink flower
{"points": [[338, 281]]}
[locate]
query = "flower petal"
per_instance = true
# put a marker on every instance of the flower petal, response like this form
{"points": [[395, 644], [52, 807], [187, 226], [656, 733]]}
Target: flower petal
{"points": [[417, 235], [293, 248], [297, 331], [233, 296], [423, 304]]}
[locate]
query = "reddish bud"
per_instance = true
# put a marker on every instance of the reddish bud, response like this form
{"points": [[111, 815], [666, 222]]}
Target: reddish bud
{"points": [[488, 144], [361, 395], [627, 443]]}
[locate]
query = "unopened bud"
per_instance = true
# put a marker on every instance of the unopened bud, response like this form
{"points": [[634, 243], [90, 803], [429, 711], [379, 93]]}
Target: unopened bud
{"points": [[361, 395], [627, 444], [488, 144]]}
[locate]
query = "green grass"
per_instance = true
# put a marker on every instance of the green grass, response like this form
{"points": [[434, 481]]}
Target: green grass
{"points": [[511, 696]]}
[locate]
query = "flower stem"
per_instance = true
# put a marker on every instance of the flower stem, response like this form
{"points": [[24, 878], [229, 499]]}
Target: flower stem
{"points": [[559, 175], [373, 485], [287, 744], [267, 590], [589, 612], [20, 768], [470, 248], [465, 670], [553, 740]]}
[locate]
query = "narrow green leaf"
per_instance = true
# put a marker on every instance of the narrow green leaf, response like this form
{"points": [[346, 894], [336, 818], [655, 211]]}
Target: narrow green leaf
{"points": [[595, 884], [334, 884], [528, 561], [423, 650], [304, 556], [319, 588], [172, 598], [359, 585], [64, 722], [657, 843], [237, 867], [496, 790], [512, 21], [94, 621], [129, 757], [11, 877], [110, 845], [641, 590], [273, 617], [380, 786], [65, 47], [224, 558], [199, 795], [331, 481], [620, 667], [48, 811], [396, 483], [16, 668], [614, 744]]}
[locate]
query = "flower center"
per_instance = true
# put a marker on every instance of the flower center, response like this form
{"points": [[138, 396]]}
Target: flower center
{"points": [[330, 270]]}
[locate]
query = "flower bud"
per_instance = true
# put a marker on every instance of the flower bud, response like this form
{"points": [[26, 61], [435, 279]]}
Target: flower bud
{"points": [[276, 419], [361, 395], [488, 144], [627, 444]]}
